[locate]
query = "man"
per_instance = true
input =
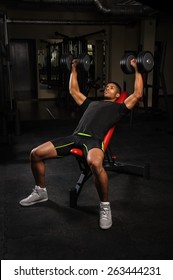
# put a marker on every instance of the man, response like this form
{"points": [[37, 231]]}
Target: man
{"points": [[97, 118]]}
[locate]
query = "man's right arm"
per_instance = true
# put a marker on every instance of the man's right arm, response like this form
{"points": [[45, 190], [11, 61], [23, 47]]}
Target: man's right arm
{"points": [[78, 96], [136, 96]]}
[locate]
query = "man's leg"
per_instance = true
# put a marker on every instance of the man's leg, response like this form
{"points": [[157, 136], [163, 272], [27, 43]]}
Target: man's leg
{"points": [[95, 161], [37, 157]]}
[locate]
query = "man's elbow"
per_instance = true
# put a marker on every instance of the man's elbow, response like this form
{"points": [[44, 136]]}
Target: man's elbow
{"points": [[70, 89], [139, 94]]}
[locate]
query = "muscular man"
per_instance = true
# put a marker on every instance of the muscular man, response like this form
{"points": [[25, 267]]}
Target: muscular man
{"points": [[96, 120]]}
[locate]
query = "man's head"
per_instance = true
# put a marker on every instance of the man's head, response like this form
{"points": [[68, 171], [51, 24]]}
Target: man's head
{"points": [[112, 91]]}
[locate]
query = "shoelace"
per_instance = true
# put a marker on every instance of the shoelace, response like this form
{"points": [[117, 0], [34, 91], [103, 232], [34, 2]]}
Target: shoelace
{"points": [[33, 191], [104, 211]]}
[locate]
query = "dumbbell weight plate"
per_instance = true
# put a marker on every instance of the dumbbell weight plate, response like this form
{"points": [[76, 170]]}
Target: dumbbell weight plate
{"points": [[65, 61], [125, 63], [145, 62], [83, 62]]}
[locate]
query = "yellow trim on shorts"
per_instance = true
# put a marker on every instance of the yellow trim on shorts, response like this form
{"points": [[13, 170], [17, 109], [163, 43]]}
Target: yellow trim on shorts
{"points": [[57, 147], [84, 134], [86, 148]]}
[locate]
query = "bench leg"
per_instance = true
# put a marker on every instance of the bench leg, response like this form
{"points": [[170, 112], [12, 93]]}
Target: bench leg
{"points": [[75, 191], [140, 170]]}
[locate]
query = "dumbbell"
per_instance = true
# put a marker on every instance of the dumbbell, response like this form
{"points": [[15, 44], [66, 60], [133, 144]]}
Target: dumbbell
{"points": [[83, 62], [144, 60]]}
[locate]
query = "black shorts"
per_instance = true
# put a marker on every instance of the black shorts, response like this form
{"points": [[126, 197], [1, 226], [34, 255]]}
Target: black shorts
{"points": [[63, 145]]}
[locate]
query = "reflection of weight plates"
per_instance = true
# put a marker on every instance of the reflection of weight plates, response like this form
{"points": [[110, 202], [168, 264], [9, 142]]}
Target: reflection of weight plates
{"points": [[144, 60], [83, 62]]}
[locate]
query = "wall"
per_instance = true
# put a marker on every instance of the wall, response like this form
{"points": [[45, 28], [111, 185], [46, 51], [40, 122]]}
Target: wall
{"points": [[164, 33], [119, 38]]}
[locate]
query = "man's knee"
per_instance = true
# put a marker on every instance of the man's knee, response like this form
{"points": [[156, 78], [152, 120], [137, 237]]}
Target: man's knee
{"points": [[95, 164], [43, 152], [34, 154]]}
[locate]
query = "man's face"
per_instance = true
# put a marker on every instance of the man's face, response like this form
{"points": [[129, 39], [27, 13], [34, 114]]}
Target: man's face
{"points": [[111, 91]]}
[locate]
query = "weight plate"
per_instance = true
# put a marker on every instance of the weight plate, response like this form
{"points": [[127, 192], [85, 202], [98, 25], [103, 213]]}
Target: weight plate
{"points": [[69, 59], [125, 63], [145, 62], [84, 62], [65, 61]]}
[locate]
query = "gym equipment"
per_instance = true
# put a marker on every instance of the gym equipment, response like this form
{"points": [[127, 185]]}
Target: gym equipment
{"points": [[83, 62], [9, 113], [110, 163], [65, 62], [145, 62]]}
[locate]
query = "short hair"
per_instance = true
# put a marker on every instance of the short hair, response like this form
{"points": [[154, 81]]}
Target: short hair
{"points": [[117, 85]]}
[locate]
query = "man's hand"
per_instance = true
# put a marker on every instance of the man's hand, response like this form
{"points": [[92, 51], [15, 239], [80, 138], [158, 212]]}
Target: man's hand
{"points": [[133, 63], [74, 64]]}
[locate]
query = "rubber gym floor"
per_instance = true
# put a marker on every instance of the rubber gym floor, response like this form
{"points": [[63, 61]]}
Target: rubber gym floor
{"points": [[142, 209]]}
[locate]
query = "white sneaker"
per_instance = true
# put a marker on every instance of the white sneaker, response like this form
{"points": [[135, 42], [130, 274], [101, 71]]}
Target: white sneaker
{"points": [[38, 195], [105, 215]]}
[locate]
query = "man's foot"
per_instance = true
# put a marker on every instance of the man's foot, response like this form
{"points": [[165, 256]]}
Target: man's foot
{"points": [[105, 215], [38, 195]]}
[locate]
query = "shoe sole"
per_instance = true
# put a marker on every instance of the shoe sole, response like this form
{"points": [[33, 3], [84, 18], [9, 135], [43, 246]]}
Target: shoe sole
{"points": [[31, 203], [107, 227]]}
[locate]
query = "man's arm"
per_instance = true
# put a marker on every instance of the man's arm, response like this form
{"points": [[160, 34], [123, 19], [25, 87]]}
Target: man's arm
{"points": [[135, 97], [78, 96]]}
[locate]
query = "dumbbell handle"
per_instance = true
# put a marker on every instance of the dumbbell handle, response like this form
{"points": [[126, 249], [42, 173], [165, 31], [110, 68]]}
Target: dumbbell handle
{"points": [[148, 61]]}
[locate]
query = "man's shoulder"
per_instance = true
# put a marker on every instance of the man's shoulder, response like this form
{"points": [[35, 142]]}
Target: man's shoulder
{"points": [[85, 104]]}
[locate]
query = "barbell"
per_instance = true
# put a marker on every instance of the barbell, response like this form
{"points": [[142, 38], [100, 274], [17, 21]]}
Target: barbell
{"points": [[83, 62], [144, 60]]}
